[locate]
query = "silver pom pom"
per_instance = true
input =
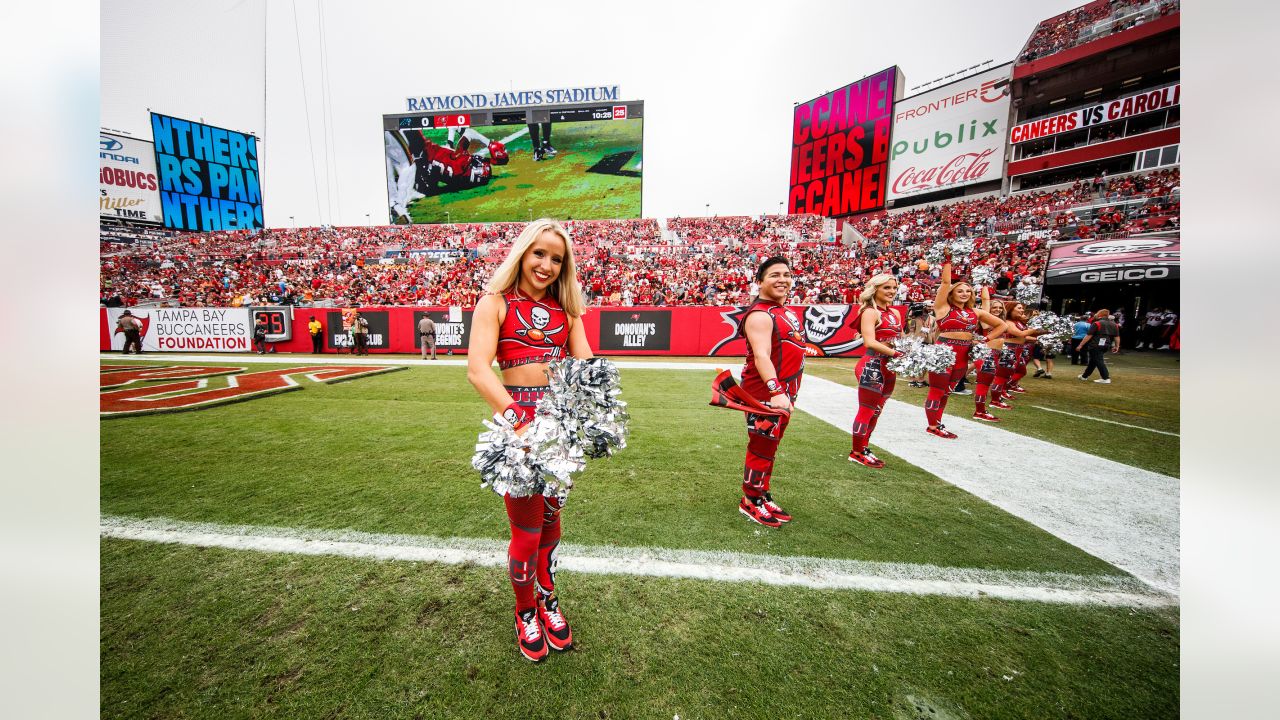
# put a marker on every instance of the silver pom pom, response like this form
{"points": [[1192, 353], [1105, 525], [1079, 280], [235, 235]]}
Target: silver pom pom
{"points": [[1029, 293], [1058, 331], [979, 353], [920, 358], [523, 465], [983, 276], [961, 249], [584, 398]]}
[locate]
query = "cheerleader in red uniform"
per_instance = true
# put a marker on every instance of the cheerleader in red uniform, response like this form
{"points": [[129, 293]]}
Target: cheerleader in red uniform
{"points": [[880, 325], [531, 315], [987, 368], [776, 343], [959, 323], [1012, 363]]}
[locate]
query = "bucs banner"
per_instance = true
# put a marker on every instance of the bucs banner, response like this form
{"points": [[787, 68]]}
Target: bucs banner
{"points": [[1119, 260], [675, 331], [635, 330], [449, 335], [183, 329]]}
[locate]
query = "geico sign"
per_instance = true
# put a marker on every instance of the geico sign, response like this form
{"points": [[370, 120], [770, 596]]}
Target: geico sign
{"points": [[1154, 273]]}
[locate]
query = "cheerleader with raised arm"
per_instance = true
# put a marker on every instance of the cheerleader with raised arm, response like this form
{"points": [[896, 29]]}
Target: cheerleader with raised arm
{"points": [[959, 322]]}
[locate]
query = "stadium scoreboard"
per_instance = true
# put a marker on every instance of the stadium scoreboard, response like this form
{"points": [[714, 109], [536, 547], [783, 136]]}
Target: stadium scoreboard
{"points": [[516, 116], [579, 161]]}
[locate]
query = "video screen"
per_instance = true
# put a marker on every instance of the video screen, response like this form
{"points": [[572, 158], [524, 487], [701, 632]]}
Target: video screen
{"points": [[571, 163]]}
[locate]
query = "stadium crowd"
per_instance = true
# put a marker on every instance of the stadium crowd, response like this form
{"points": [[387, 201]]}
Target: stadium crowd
{"points": [[1074, 27], [697, 261]]}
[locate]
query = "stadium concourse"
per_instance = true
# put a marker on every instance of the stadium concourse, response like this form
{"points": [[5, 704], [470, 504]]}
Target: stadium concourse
{"points": [[694, 261]]}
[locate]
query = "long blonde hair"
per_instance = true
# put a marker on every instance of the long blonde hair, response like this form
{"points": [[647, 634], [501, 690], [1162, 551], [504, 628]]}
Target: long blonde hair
{"points": [[565, 290], [868, 297]]}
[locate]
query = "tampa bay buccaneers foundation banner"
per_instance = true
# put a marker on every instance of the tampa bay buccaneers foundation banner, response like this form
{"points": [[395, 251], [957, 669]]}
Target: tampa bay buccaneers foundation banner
{"points": [[679, 331]]}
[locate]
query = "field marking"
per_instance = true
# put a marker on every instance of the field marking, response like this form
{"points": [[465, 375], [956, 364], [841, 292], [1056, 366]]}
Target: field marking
{"points": [[1113, 422], [795, 571], [1124, 515]]}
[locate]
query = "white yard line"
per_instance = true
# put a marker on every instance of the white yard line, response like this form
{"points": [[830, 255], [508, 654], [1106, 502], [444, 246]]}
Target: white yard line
{"points": [[1124, 515], [1112, 422], [809, 572]]}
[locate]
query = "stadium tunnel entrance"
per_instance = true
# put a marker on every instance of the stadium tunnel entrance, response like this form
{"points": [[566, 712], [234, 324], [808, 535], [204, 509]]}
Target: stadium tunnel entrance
{"points": [[1133, 298]]}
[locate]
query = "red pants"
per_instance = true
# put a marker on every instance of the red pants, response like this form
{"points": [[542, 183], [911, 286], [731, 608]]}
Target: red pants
{"points": [[764, 432], [875, 385], [941, 384], [535, 530], [986, 376]]}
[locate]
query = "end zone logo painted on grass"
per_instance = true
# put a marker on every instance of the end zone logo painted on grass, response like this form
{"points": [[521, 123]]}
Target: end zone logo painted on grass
{"points": [[114, 376], [194, 394]]}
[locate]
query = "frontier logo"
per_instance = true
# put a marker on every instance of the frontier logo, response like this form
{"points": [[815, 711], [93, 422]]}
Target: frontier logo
{"points": [[190, 390]]}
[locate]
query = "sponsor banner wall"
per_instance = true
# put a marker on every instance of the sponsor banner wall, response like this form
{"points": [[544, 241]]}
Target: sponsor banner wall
{"points": [[950, 136], [679, 331], [184, 329], [840, 148], [1132, 259], [208, 176], [128, 188], [1144, 102]]}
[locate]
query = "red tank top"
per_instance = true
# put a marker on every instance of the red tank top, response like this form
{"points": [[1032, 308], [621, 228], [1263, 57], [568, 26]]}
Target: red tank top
{"points": [[889, 326], [534, 331], [1021, 326], [959, 320], [786, 351]]}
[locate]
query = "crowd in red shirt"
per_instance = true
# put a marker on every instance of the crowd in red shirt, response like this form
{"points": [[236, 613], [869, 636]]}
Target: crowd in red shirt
{"points": [[1068, 29], [698, 261]]}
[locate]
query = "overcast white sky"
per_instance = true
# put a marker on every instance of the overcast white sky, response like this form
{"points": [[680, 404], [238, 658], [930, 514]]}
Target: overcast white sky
{"points": [[718, 78]]}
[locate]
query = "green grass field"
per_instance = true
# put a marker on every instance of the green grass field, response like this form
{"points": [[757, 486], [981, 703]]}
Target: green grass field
{"points": [[560, 187], [196, 632]]}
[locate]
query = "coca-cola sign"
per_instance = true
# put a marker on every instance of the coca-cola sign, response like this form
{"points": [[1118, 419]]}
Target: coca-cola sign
{"points": [[962, 169], [950, 136]]}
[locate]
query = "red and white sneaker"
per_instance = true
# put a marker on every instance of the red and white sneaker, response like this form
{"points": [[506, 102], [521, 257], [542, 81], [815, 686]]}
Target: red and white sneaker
{"points": [[558, 634], [866, 458], [941, 431], [1001, 404], [776, 510], [756, 511], [1017, 389], [529, 636], [985, 416]]}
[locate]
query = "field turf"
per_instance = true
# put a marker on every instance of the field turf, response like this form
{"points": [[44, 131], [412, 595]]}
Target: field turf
{"points": [[196, 632]]}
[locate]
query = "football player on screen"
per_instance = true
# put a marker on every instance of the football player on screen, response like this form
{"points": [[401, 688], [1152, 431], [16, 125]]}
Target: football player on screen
{"points": [[542, 149], [417, 167]]}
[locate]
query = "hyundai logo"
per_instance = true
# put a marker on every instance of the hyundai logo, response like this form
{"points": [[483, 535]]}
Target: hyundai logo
{"points": [[108, 143]]}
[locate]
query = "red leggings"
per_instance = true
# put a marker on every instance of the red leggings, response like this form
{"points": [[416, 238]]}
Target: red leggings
{"points": [[1006, 367], [535, 535], [941, 384], [764, 432], [875, 385], [986, 376]]}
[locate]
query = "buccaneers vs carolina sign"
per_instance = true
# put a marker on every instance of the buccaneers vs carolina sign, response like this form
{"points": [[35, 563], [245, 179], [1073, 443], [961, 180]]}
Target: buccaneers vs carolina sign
{"points": [[189, 386]]}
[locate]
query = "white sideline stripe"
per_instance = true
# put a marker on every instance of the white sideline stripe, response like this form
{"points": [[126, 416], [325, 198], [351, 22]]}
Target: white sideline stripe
{"points": [[798, 571], [1124, 515], [1112, 422], [398, 359]]}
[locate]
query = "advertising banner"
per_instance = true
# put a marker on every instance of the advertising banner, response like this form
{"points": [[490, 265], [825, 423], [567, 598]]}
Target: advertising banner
{"points": [[950, 136], [1144, 102], [128, 188], [208, 176], [679, 331], [1119, 260], [450, 335], [840, 148], [635, 330], [186, 329]]}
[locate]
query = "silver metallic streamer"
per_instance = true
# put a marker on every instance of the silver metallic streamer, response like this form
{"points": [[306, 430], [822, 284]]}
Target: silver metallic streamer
{"points": [[921, 358]]}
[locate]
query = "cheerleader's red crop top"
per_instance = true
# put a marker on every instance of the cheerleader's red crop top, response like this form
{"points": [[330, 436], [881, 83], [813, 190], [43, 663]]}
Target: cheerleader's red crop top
{"points": [[959, 320], [534, 331]]}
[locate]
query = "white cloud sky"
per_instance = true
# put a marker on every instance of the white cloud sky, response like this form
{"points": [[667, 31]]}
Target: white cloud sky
{"points": [[718, 78]]}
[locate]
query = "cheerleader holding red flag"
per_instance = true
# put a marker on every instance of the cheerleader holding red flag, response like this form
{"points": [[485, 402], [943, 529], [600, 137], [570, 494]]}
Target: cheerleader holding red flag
{"points": [[776, 344], [959, 323], [987, 367], [531, 315], [880, 326]]}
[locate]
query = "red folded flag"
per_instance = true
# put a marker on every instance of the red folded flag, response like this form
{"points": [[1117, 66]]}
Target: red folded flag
{"points": [[727, 393]]}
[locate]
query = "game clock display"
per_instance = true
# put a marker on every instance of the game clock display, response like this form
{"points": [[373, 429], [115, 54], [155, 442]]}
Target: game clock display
{"points": [[279, 322]]}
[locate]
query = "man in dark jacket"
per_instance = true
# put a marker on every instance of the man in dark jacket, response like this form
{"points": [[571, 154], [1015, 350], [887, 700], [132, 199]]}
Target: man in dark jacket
{"points": [[1100, 340]]}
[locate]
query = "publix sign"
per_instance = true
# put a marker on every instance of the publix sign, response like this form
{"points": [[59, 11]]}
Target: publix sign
{"points": [[950, 136]]}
